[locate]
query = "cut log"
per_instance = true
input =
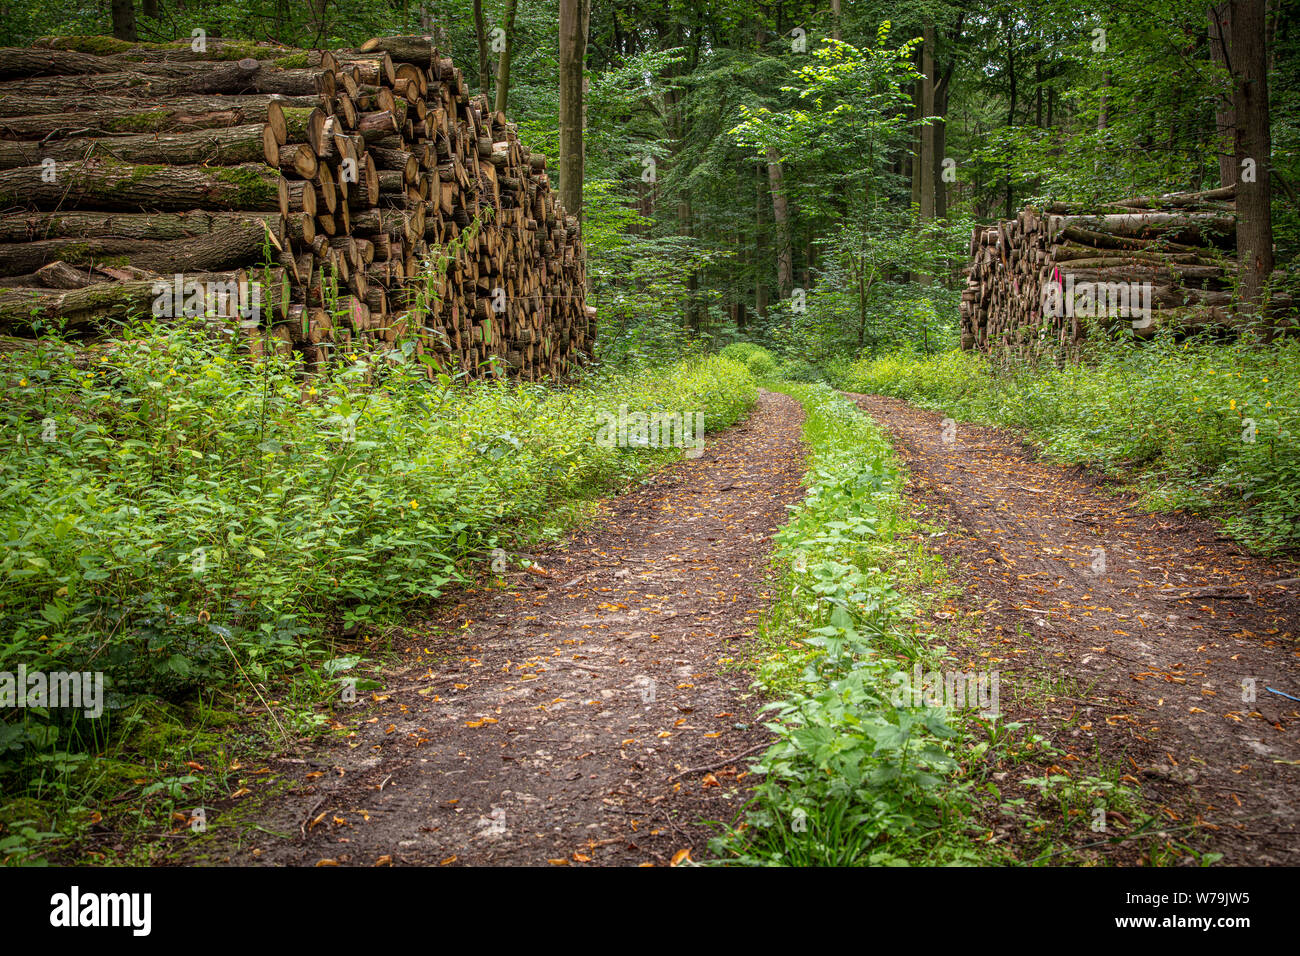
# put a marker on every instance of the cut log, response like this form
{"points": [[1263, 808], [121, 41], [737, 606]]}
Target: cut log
{"points": [[203, 147], [107, 184], [237, 244]]}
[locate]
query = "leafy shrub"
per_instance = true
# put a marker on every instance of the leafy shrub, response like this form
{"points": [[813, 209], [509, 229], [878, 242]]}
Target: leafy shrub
{"points": [[762, 364], [176, 515], [741, 351], [798, 370], [1211, 427]]}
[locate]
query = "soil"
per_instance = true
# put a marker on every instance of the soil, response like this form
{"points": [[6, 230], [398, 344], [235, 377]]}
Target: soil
{"points": [[589, 712], [1146, 642]]}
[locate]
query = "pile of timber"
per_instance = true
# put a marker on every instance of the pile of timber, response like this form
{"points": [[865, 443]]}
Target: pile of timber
{"points": [[1048, 275], [366, 192]]}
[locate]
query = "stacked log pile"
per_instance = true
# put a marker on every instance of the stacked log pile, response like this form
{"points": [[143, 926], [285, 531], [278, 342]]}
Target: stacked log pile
{"points": [[366, 192], [1046, 276]]}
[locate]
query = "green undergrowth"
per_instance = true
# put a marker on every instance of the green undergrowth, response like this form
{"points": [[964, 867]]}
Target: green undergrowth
{"points": [[221, 538], [1211, 428], [858, 775], [863, 772], [767, 367]]}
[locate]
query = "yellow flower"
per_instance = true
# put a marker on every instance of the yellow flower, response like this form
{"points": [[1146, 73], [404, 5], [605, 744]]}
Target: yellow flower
{"points": [[1266, 378], [1232, 403], [22, 381], [415, 504]]}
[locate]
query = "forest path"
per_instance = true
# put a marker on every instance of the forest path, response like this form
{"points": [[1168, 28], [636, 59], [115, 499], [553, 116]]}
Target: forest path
{"points": [[1140, 660], [553, 720]]}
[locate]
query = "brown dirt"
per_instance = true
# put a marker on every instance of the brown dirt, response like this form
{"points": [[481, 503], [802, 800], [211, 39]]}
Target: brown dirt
{"points": [[1140, 664], [561, 718]]}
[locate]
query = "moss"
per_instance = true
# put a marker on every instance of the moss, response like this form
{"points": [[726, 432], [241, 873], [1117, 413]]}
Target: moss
{"points": [[295, 61], [75, 254], [140, 172], [94, 45], [144, 122], [253, 187], [35, 812]]}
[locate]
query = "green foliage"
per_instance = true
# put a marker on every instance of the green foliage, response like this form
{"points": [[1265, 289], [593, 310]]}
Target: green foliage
{"points": [[853, 779], [1179, 415], [798, 370], [179, 517], [761, 363]]}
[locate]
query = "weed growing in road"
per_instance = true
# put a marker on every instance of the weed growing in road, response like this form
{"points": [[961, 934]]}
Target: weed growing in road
{"points": [[853, 778]]}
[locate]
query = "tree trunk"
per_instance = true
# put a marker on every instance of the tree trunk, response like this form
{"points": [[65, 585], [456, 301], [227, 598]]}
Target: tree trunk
{"points": [[205, 147], [239, 243], [1220, 34], [1253, 147], [124, 19], [573, 48], [76, 224], [480, 35], [781, 220], [195, 112], [940, 149], [96, 185], [760, 230], [503, 63], [925, 158]]}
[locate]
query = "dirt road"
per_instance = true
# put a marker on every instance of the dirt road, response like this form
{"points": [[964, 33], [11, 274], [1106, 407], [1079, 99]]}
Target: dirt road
{"points": [[584, 715], [1149, 641]]}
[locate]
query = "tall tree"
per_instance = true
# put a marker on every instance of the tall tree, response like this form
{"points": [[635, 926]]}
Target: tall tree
{"points": [[124, 19], [924, 163], [503, 64], [1225, 125], [573, 52], [1249, 60], [480, 36]]}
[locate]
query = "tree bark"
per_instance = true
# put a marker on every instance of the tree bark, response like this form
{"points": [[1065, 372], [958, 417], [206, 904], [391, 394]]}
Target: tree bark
{"points": [[573, 48], [480, 36], [1249, 56], [204, 147], [75, 224], [925, 159], [238, 244], [781, 222], [1220, 35], [503, 63], [760, 230], [124, 19], [96, 184]]}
